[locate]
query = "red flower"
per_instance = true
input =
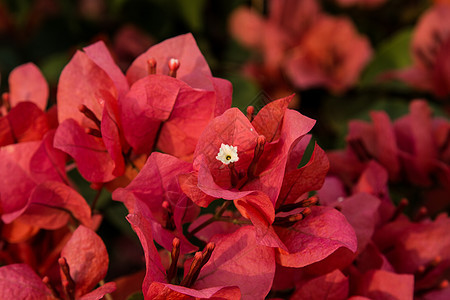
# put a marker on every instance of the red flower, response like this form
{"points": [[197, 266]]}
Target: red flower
{"points": [[170, 113]]}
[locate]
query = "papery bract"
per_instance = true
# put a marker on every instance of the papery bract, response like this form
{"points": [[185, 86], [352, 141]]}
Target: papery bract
{"points": [[19, 281], [26, 83], [332, 286], [238, 260], [156, 187], [155, 284], [87, 258], [92, 81], [379, 284], [311, 240]]}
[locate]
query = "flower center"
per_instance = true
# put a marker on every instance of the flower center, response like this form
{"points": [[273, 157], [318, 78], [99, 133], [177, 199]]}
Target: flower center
{"points": [[227, 154]]}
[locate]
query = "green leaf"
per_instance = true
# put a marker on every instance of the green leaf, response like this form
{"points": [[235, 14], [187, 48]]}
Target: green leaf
{"points": [[52, 66], [136, 296], [245, 92], [192, 12], [392, 54]]}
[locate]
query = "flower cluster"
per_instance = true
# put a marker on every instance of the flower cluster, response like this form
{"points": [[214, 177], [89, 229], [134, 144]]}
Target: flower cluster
{"points": [[227, 204]]}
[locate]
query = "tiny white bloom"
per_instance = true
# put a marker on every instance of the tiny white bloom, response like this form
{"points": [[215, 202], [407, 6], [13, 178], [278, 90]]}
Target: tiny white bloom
{"points": [[227, 154]]}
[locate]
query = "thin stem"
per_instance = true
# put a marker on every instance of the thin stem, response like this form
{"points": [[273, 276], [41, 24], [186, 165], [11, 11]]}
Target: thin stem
{"points": [[211, 220], [94, 202], [106, 296]]}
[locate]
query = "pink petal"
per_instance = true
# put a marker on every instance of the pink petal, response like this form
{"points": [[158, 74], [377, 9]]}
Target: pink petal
{"points": [[236, 258], [191, 113], [224, 92], [155, 272], [111, 135], [99, 54], [380, 285], [194, 69], [311, 240], [49, 163], [308, 178], [80, 83], [149, 102], [269, 119], [92, 158], [26, 83], [50, 204], [100, 292], [332, 286], [189, 185], [259, 209], [27, 122], [87, 258], [16, 180], [162, 291], [19, 281], [361, 211]]}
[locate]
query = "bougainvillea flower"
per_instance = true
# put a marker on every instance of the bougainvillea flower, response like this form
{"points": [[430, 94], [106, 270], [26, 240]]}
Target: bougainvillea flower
{"points": [[414, 148], [83, 263], [89, 129], [158, 282], [178, 110], [287, 22], [263, 146], [160, 198], [430, 50], [284, 28], [254, 189], [332, 54], [263, 149]]}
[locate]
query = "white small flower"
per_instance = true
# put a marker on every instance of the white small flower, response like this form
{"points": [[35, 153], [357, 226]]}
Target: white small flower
{"points": [[227, 154]]}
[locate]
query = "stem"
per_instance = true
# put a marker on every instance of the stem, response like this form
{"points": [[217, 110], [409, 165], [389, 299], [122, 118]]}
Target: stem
{"points": [[211, 220], [94, 202], [234, 221], [106, 296]]}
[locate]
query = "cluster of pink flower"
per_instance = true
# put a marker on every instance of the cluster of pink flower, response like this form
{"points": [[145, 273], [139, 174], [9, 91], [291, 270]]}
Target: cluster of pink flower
{"points": [[320, 50], [326, 51], [165, 141]]}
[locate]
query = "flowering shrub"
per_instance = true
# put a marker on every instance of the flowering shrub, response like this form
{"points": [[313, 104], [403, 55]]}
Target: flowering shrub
{"points": [[220, 202]]}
